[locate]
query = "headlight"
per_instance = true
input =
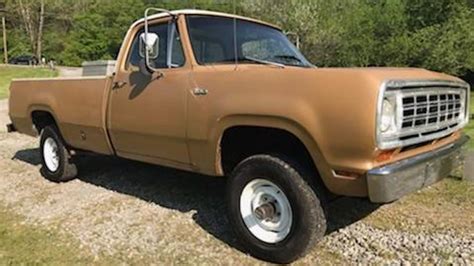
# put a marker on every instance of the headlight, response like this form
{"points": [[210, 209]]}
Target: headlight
{"points": [[387, 121]]}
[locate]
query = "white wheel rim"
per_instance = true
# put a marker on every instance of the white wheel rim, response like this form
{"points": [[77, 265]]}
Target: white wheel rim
{"points": [[50, 154], [275, 227]]}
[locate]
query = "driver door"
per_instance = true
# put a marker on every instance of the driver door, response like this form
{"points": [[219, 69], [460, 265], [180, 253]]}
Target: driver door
{"points": [[147, 115]]}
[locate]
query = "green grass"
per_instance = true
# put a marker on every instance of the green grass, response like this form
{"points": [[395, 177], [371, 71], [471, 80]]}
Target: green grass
{"points": [[472, 103], [7, 73], [26, 245]]}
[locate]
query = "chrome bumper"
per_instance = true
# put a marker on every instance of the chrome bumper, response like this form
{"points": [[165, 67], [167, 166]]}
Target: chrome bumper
{"points": [[391, 182]]}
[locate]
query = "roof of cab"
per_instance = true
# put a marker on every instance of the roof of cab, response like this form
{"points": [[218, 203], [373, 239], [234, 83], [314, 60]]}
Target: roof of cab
{"points": [[205, 13]]}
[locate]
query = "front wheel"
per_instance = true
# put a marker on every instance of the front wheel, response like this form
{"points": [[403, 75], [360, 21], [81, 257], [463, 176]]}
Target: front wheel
{"points": [[56, 161], [273, 210]]}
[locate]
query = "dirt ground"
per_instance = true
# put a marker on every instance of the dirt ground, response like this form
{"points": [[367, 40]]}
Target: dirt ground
{"points": [[137, 213], [3, 115]]}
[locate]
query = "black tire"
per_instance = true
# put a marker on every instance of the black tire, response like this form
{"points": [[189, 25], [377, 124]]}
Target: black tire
{"points": [[66, 169], [309, 219]]}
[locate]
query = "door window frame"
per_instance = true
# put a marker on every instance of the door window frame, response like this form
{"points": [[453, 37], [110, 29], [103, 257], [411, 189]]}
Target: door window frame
{"points": [[128, 42], [172, 30]]}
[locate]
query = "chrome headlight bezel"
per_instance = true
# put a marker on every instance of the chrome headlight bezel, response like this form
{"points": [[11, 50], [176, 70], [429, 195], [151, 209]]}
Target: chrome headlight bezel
{"points": [[388, 116], [390, 96]]}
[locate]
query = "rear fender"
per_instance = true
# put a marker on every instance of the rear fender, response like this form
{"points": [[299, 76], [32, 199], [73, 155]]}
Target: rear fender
{"points": [[41, 108]]}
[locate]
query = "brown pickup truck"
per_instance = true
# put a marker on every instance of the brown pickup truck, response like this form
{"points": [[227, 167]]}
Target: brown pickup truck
{"points": [[225, 95]]}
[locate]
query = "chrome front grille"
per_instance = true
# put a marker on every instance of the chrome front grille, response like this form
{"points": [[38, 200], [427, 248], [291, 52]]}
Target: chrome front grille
{"points": [[428, 108], [425, 110]]}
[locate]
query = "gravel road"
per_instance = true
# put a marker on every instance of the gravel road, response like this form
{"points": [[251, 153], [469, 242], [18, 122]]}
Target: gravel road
{"points": [[3, 115], [138, 212]]}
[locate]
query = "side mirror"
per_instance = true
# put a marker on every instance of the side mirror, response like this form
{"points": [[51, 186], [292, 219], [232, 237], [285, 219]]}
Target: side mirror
{"points": [[149, 45]]}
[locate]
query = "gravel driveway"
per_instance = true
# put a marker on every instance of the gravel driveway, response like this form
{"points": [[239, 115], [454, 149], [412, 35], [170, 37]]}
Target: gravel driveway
{"points": [[3, 115], [138, 212]]}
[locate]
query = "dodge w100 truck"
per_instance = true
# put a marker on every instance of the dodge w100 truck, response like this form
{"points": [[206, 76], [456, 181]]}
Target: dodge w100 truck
{"points": [[225, 95]]}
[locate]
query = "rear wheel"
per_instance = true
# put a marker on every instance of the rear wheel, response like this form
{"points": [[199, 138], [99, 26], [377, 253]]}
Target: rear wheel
{"points": [[56, 160], [275, 213]]}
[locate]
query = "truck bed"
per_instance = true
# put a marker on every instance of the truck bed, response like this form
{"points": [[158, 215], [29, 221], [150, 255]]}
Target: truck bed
{"points": [[78, 105]]}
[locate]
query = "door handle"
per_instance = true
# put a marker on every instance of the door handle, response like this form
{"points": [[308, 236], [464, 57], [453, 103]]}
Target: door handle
{"points": [[200, 92], [119, 84]]}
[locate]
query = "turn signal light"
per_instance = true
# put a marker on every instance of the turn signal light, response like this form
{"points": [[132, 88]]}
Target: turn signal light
{"points": [[384, 156]]}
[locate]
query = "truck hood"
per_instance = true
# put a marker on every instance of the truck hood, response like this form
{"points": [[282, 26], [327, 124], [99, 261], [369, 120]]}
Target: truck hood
{"points": [[334, 81], [380, 74]]}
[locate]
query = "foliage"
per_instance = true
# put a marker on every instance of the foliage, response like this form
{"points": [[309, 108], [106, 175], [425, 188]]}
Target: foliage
{"points": [[98, 35], [437, 35]]}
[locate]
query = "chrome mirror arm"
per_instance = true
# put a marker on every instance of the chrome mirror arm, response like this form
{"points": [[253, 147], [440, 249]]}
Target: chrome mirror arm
{"points": [[147, 56]]}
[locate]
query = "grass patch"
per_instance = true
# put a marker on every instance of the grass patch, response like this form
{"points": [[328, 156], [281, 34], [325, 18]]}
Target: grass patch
{"points": [[22, 244], [442, 207], [472, 102], [7, 73]]}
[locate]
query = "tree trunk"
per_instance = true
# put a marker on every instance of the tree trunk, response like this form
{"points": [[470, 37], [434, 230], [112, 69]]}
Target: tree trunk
{"points": [[28, 22], [32, 15], [39, 37]]}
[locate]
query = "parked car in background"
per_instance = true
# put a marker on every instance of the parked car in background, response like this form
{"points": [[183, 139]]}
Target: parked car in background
{"points": [[24, 60], [225, 95]]}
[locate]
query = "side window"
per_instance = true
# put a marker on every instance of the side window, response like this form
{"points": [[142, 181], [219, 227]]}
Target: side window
{"points": [[166, 32]]}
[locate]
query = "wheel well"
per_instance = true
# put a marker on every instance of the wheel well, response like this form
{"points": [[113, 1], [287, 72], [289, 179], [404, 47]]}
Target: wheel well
{"points": [[240, 142], [41, 119]]}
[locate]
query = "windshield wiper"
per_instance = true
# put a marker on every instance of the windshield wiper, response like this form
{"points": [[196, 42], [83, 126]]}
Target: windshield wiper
{"points": [[252, 60], [291, 57], [260, 61]]}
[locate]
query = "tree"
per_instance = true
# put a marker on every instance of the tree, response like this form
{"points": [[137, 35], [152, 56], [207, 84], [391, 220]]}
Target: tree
{"points": [[98, 35], [32, 15], [438, 35]]}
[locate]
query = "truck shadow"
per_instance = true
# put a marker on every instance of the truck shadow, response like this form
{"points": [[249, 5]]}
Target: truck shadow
{"points": [[185, 192]]}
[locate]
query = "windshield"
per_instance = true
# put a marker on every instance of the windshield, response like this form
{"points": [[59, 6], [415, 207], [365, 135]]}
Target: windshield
{"points": [[213, 42]]}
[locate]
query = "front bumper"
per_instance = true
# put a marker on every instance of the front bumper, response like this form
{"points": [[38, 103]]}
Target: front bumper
{"points": [[391, 182]]}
